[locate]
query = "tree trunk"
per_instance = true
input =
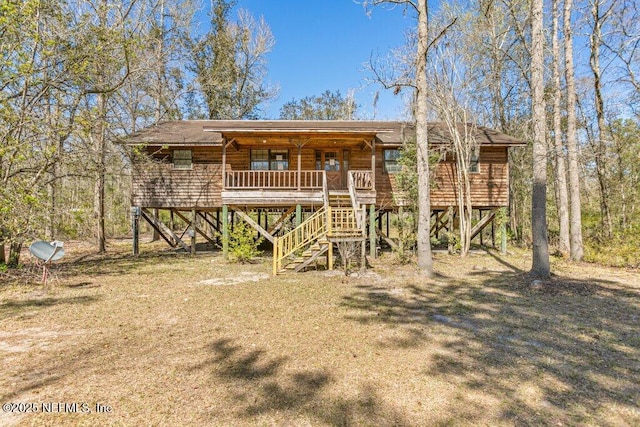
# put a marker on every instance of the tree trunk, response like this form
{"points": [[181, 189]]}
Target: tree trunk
{"points": [[3, 260], [14, 254], [540, 267], [99, 190], [575, 217], [425, 261], [600, 148], [562, 199]]}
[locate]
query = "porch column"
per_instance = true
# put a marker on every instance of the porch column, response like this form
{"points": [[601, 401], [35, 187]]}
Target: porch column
{"points": [[373, 164], [224, 163], [372, 230], [299, 167], [225, 231], [298, 215]]}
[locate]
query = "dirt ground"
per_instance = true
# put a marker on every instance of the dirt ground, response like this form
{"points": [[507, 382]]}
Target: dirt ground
{"points": [[170, 339]]}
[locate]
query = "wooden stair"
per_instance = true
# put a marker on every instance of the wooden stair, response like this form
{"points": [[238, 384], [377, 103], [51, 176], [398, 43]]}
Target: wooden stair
{"points": [[339, 200], [311, 254]]}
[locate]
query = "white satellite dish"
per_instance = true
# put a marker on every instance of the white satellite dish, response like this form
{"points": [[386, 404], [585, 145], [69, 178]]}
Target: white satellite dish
{"points": [[47, 253]]}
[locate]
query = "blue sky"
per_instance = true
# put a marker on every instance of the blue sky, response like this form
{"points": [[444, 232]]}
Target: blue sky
{"points": [[323, 45]]}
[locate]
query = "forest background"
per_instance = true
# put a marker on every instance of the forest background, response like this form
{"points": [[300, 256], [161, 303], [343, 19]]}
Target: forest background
{"points": [[78, 76]]}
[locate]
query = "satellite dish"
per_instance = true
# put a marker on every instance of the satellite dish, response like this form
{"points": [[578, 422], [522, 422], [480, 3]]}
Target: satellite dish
{"points": [[47, 253]]}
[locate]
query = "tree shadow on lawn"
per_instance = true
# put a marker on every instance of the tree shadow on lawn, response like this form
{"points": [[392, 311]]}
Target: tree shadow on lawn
{"points": [[559, 351], [15, 307], [259, 384], [118, 264]]}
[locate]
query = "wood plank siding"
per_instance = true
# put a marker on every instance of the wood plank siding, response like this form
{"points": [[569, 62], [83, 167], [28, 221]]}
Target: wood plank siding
{"points": [[489, 186], [157, 184]]}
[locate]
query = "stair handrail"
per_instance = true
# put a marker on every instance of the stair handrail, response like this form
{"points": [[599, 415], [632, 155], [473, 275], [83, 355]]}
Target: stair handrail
{"points": [[353, 194], [309, 230], [325, 189]]}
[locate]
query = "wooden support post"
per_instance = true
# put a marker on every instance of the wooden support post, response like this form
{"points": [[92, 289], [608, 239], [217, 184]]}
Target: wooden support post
{"points": [[387, 221], [156, 235], [450, 229], [167, 234], [298, 215], [225, 231], [401, 231], [135, 228], [218, 225], [275, 256], [480, 220], [245, 216], [330, 256], [493, 233], [363, 254], [372, 230], [192, 232]]}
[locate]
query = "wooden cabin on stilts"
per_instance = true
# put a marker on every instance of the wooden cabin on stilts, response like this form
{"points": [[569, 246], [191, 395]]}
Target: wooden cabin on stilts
{"points": [[305, 186]]}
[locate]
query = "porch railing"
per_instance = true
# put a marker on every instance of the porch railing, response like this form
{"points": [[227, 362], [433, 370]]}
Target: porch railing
{"points": [[343, 222], [362, 179], [281, 180]]}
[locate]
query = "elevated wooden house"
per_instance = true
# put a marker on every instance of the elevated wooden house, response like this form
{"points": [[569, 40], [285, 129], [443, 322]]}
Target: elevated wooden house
{"points": [[303, 185]]}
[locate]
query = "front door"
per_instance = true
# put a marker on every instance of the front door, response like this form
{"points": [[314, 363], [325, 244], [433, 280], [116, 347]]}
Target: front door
{"points": [[335, 163]]}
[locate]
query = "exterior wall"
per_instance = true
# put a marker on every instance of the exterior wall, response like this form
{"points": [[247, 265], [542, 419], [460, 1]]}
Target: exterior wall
{"points": [[489, 186], [159, 185]]}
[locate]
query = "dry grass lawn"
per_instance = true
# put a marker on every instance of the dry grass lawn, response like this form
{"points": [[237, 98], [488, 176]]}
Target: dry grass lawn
{"points": [[169, 339]]}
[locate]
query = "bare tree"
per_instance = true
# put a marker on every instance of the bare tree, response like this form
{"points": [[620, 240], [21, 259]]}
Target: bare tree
{"points": [[562, 197], [599, 16], [417, 69], [575, 217], [540, 267]]}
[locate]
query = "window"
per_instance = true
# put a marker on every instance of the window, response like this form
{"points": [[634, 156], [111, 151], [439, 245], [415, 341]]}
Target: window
{"points": [[390, 159], [259, 160], [279, 160], [269, 160], [474, 161], [182, 159]]}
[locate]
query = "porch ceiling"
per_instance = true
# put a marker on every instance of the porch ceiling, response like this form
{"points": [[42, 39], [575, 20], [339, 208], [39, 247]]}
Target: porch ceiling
{"points": [[308, 141]]}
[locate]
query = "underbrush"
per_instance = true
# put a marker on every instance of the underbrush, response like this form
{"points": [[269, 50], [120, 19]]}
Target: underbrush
{"points": [[618, 252]]}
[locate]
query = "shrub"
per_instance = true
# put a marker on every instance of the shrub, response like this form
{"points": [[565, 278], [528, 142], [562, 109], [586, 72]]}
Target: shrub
{"points": [[243, 246]]}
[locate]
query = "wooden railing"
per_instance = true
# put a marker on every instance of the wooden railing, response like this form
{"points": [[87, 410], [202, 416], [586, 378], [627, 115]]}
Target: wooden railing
{"points": [[307, 232], [260, 179], [353, 195], [362, 179], [343, 222]]}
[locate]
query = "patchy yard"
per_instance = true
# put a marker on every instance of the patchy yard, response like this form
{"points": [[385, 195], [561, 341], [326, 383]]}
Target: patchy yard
{"points": [[167, 339]]}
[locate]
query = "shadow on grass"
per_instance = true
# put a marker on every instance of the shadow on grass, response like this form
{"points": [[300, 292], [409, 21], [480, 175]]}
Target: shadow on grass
{"points": [[53, 369], [117, 264], [574, 344], [14, 307], [262, 385]]}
